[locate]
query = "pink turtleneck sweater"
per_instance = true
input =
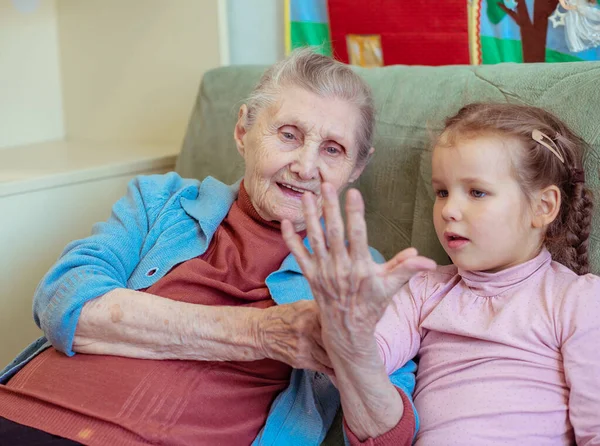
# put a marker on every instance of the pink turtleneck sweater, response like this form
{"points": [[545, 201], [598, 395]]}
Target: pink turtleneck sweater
{"points": [[511, 358]]}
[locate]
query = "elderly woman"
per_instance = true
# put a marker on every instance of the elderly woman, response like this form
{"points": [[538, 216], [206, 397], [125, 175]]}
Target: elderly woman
{"points": [[190, 318]]}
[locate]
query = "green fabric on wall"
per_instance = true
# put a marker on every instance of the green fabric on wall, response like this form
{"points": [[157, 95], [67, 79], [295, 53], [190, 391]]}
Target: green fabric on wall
{"points": [[311, 34]]}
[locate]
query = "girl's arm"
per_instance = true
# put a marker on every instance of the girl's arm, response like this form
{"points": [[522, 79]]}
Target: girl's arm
{"points": [[579, 330]]}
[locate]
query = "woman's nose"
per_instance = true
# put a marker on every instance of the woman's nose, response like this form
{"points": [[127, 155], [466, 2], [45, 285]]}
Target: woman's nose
{"points": [[306, 163]]}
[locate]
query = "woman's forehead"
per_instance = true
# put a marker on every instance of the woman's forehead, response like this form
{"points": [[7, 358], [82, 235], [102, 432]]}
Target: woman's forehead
{"points": [[331, 118]]}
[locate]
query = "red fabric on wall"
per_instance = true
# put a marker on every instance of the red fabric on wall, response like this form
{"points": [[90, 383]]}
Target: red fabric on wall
{"points": [[412, 32]]}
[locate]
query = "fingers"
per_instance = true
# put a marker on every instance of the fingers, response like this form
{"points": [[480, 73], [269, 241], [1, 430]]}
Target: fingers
{"points": [[334, 224], [404, 270], [400, 257], [295, 245], [313, 226], [357, 227], [420, 263]]}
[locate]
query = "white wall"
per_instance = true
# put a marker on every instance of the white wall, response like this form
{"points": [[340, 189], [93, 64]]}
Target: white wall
{"points": [[125, 70], [131, 68], [256, 31], [30, 89]]}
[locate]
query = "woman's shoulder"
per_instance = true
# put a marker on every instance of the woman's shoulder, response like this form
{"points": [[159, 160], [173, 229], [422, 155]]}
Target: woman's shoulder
{"points": [[164, 184]]}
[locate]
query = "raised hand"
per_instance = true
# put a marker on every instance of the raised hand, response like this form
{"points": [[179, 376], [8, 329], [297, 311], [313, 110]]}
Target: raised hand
{"points": [[350, 288]]}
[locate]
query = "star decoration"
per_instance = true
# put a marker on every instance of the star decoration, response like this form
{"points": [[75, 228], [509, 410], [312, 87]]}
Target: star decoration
{"points": [[558, 18]]}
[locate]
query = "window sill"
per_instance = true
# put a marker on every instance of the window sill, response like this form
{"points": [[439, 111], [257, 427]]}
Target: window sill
{"points": [[58, 163]]}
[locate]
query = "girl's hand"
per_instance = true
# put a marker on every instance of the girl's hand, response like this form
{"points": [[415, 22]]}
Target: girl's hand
{"points": [[351, 290]]}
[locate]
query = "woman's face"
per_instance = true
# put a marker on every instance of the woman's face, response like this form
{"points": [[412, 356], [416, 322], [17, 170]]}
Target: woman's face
{"points": [[293, 147]]}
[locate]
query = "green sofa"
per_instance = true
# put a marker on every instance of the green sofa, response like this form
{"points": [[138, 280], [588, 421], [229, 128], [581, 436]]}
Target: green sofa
{"points": [[411, 103]]}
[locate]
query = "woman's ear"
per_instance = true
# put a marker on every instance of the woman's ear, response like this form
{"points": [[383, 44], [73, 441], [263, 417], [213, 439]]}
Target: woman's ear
{"points": [[546, 206], [241, 128], [358, 169]]}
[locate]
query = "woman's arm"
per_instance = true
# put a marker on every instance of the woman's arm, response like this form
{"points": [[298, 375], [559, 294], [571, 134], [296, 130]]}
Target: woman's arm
{"points": [[353, 292], [141, 325], [135, 324], [102, 262], [82, 303], [372, 406]]}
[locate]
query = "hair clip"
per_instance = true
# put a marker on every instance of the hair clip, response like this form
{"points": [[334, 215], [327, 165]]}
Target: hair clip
{"points": [[539, 137]]}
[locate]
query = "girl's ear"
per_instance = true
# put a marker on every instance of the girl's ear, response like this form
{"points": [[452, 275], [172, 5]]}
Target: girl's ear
{"points": [[546, 206]]}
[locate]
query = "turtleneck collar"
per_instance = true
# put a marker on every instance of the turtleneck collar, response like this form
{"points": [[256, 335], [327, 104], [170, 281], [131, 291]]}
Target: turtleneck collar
{"points": [[492, 284]]}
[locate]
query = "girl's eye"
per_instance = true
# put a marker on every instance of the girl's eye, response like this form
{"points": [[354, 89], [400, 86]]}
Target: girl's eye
{"points": [[478, 194], [441, 193]]}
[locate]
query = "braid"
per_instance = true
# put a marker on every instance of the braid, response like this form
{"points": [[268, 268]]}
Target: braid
{"points": [[568, 236], [577, 229]]}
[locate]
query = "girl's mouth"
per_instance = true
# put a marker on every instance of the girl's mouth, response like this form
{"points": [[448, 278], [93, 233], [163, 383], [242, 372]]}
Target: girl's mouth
{"points": [[455, 241]]}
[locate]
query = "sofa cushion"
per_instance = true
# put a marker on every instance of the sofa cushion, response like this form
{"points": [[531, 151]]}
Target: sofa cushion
{"points": [[412, 103]]}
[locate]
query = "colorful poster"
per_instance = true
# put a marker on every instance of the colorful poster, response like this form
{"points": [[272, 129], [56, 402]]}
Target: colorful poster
{"points": [[307, 24], [509, 31], [410, 33]]}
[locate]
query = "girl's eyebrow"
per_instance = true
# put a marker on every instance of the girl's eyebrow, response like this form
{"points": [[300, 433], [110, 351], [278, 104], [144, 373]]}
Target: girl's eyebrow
{"points": [[467, 180], [471, 180]]}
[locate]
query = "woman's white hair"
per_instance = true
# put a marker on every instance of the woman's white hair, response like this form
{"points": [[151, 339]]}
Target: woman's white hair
{"points": [[323, 76]]}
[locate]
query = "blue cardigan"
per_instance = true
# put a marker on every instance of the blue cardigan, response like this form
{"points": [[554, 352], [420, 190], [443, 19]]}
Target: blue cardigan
{"points": [[162, 221]]}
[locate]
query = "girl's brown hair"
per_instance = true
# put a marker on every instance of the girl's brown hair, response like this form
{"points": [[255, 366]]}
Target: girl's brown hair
{"points": [[537, 167]]}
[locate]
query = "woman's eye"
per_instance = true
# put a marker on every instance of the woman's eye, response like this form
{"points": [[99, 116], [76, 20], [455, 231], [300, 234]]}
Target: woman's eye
{"points": [[477, 193], [332, 150], [288, 135], [441, 193]]}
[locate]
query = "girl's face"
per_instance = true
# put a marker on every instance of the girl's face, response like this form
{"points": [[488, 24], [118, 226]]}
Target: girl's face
{"points": [[481, 216]]}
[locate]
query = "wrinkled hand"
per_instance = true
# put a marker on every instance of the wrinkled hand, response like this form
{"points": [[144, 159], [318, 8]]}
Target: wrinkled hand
{"points": [[350, 288], [291, 334]]}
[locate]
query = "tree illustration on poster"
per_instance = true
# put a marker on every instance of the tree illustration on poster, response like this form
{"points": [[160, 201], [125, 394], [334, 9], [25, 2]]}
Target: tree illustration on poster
{"points": [[534, 27]]}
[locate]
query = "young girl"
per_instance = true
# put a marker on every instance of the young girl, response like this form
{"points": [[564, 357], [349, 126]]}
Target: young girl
{"points": [[508, 337]]}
